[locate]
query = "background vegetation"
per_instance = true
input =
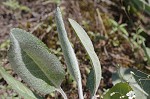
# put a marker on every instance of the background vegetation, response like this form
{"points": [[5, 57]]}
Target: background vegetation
{"points": [[119, 30]]}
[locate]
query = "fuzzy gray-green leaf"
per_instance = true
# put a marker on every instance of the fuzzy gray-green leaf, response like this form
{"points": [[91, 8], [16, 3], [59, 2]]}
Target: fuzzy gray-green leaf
{"points": [[86, 42], [33, 62], [16, 85], [69, 54]]}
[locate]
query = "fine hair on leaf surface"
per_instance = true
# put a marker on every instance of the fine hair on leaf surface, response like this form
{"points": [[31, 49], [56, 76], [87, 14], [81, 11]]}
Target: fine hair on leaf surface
{"points": [[33, 62], [31, 59], [96, 69], [69, 55]]}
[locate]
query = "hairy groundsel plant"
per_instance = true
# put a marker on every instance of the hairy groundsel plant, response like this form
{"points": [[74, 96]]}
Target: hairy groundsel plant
{"points": [[41, 70]]}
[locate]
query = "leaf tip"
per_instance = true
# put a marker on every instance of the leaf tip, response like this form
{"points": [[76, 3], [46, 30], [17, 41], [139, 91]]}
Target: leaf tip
{"points": [[71, 20], [14, 29], [57, 9]]}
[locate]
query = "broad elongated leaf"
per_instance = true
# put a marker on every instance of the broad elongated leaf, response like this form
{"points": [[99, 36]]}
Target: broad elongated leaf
{"points": [[86, 42], [69, 55], [16, 85], [117, 91], [33, 62], [68, 51]]}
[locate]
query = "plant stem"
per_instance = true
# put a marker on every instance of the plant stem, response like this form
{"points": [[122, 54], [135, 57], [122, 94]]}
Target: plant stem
{"points": [[62, 93], [80, 92]]}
